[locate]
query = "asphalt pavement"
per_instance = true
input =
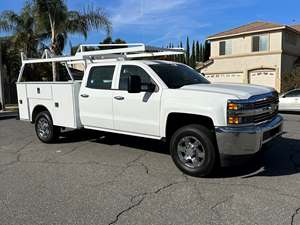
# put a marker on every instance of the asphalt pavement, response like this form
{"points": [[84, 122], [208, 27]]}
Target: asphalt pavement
{"points": [[95, 178]]}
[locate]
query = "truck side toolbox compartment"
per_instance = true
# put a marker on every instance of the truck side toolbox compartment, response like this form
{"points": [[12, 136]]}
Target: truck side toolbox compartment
{"points": [[39, 91], [23, 101], [65, 105]]}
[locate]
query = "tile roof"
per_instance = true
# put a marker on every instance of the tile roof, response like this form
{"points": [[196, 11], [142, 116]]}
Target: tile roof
{"points": [[296, 27], [251, 27]]}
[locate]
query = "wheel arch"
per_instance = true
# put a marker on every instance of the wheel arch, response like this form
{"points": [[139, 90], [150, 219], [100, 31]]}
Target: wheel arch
{"points": [[37, 109], [175, 120]]}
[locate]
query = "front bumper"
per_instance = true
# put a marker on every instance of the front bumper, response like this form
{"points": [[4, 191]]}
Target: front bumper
{"points": [[242, 141]]}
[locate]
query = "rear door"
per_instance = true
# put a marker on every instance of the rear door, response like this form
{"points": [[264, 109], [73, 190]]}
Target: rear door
{"points": [[95, 98], [136, 112]]}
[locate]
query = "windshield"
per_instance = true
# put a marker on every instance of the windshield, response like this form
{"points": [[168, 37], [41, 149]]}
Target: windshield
{"points": [[178, 75]]}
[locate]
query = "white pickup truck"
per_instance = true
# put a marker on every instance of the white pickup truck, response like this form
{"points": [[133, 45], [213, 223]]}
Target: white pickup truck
{"points": [[203, 123]]}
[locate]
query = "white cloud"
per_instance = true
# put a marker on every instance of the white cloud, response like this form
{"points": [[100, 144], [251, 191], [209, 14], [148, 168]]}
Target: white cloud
{"points": [[162, 21], [142, 11]]}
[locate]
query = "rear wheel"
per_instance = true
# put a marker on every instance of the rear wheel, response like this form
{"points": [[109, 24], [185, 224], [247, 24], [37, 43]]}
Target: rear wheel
{"points": [[44, 128], [193, 151]]}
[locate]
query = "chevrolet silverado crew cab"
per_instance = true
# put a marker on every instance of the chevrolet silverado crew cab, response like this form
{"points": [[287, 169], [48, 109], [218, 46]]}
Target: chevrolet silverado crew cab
{"points": [[203, 123]]}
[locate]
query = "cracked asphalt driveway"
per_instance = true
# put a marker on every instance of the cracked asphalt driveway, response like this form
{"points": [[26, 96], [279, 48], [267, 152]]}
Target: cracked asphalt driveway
{"points": [[95, 178]]}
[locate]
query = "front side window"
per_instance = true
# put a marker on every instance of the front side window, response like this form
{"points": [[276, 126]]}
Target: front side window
{"points": [[101, 77], [177, 75], [225, 47], [295, 93], [260, 43], [131, 70]]}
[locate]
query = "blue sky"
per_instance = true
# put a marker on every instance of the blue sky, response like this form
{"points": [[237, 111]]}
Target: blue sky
{"points": [[159, 22]]}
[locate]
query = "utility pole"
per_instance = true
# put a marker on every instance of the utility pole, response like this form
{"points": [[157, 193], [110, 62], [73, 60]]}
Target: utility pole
{"points": [[2, 103]]}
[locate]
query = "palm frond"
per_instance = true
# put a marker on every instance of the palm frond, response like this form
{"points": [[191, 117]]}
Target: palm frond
{"points": [[75, 24], [96, 18], [8, 20]]}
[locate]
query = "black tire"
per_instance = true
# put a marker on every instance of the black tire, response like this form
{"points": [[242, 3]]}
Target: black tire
{"points": [[182, 158], [44, 128]]}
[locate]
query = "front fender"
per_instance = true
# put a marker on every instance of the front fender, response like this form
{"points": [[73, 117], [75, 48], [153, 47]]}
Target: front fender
{"points": [[211, 105]]}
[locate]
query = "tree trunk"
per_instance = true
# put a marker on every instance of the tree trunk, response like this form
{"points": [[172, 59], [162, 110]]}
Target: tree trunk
{"points": [[52, 24], [1, 81], [54, 71], [54, 68]]}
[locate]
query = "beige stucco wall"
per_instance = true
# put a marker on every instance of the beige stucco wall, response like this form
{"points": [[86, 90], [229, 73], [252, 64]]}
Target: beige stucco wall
{"points": [[243, 44], [245, 64], [79, 66], [243, 60]]}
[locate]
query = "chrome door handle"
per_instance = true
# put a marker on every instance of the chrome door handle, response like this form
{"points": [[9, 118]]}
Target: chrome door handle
{"points": [[119, 97], [84, 95]]}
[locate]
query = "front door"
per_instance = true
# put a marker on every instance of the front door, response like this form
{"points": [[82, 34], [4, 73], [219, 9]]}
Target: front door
{"points": [[290, 101], [95, 98], [136, 112]]}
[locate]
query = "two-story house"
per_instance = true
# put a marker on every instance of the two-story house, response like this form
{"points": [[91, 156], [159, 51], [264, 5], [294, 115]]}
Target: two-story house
{"points": [[257, 53]]}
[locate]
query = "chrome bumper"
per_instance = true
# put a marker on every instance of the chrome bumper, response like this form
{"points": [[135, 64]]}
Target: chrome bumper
{"points": [[234, 141]]}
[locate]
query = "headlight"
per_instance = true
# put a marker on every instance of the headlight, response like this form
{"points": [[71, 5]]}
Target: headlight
{"points": [[237, 112], [234, 120], [233, 106]]}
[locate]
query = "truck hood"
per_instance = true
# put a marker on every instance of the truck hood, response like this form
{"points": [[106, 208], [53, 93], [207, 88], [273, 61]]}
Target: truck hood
{"points": [[241, 91]]}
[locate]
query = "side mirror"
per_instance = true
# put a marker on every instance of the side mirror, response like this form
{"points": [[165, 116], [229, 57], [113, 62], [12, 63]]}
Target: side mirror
{"points": [[134, 84]]}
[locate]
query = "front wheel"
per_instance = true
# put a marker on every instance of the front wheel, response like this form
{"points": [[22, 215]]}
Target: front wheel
{"points": [[44, 128], [193, 151]]}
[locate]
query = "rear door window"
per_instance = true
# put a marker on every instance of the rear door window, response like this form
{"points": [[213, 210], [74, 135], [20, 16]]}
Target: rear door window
{"points": [[101, 77]]}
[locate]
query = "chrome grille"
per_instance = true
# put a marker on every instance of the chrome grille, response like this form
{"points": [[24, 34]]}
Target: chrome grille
{"points": [[274, 99], [269, 106], [254, 110]]}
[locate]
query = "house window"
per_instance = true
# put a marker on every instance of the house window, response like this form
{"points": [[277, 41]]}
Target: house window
{"points": [[260, 43], [225, 47]]}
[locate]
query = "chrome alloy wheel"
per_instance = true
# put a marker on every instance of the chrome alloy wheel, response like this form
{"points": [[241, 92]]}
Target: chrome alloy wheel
{"points": [[43, 127], [191, 152]]}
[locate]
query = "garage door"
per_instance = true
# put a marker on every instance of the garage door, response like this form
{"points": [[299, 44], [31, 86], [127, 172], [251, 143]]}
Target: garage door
{"points": [[225, 78], [263, 77]]}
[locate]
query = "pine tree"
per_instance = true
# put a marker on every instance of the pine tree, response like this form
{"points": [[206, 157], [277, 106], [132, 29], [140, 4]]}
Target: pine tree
{"points": [[206, 51], [173, 58], [181, 58], [187, 57], [193, 56], [201, 53], [177, 57], [197, 52]]}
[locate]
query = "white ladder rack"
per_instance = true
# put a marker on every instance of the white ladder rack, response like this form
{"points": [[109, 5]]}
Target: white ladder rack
{"points": [[91, 53]]}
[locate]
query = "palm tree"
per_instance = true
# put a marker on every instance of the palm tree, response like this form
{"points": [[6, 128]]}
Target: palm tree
{"points": [[22, 28], [50, 19], [10, 63], [54, 17]]}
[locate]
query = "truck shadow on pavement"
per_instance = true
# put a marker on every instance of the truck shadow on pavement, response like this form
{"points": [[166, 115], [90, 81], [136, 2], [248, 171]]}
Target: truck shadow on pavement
{"points": [[114, 139], [280, 158]]}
